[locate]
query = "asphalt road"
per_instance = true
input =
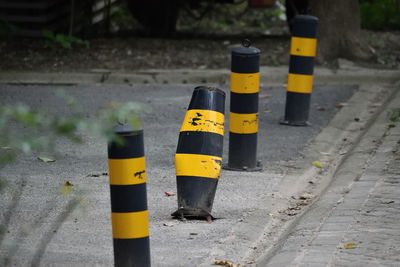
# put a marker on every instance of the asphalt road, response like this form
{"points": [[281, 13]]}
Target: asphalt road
{"points": [[85, 236]]}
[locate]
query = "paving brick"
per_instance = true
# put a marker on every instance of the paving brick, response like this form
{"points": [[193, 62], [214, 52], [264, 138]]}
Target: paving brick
{"points": [[340, 219], [365, 212], [331, 240], [284, 258]]}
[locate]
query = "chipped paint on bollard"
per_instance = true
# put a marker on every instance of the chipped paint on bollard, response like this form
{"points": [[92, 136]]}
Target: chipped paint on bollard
{"points": [[198, 156], [129, 213]]}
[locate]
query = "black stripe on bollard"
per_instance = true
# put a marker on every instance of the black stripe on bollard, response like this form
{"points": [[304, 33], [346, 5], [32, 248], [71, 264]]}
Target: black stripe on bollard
{"points": [[301, 65], [242, 153], [243, 116], [191, 192], [199, 153], [303, 49], [129, 214], [200, 143], [297, 107], [129, 252], [237, 101], [122, 200]]}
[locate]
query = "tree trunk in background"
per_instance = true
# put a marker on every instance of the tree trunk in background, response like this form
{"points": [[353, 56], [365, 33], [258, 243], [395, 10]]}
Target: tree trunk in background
{"points": [[339, 31]]}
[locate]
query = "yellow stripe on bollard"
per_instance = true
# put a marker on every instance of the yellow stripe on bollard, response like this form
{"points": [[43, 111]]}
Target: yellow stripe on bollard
{"points": [[299, 83], [198, 165], [200, 120], [127, 225], [245, 83], [127, 171], [306, 47], [243, 123]]}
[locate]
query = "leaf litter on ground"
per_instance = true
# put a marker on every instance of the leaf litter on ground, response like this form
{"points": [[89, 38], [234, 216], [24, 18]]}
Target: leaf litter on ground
{"points": [[67, 188], [317, 164], [226, 263], [349, 245], [45, 159], [169, 194]]}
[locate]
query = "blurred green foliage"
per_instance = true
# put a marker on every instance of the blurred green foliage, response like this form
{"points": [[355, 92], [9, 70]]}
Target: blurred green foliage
{"points": [[7, 29], [65, 41], [394, 115], [228, 18], [24, 130], [380, 14], [121, 19]]}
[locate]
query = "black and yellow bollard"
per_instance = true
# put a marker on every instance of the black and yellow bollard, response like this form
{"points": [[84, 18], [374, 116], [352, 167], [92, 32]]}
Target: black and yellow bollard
{"points": [[199, 153], [243, 116], [303, 49], [130, 218]]}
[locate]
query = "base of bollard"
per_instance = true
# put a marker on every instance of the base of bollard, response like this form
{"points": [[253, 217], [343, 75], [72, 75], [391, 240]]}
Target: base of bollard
{"points": [[291, 123], [191, 213], [258, 168]]}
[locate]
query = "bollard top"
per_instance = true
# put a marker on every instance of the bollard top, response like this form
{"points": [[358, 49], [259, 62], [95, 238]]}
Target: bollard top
{"points": [[305, 26], [245, 60], [245, 51], [306, 19], [209, 89], [125, 128], [209, 98]]}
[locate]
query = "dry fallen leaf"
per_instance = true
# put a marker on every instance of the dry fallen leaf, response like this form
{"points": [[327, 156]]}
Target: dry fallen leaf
{"points": [[305, 196], [44, 159], [340, 105], [303, 204], [389, 202], [317, 164], [350, 245], [321, 108], [169, 224], [169, 194], [226, 263], [66, 188], [93, 175]]}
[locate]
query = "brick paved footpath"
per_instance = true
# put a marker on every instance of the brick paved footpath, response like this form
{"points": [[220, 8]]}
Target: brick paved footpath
{"points": [[357, 222]]}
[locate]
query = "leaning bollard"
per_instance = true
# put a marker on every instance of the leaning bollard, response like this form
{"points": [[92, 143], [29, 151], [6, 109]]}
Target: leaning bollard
{"points": [[199, 153], [303, 49], [130, 219], [243, 122]]}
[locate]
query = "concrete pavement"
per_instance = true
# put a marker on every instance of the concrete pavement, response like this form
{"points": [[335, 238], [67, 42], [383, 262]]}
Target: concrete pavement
{"points": [[348, 73], [355, 221], [255, 210]]}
